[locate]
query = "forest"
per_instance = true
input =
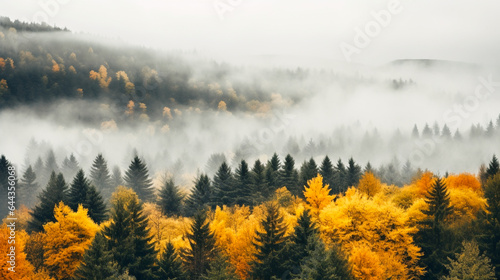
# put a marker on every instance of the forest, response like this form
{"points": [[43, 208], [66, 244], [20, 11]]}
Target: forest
{"points": [[127, 162]]}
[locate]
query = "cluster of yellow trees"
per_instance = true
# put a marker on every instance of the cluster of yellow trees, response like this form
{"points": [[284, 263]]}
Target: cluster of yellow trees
{"points": [[373, 223]]}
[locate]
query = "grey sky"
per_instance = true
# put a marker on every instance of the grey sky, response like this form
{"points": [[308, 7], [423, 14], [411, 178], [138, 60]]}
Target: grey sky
{"points": [[453, 30]]}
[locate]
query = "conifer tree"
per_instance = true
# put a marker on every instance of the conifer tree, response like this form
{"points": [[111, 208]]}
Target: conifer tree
{"points": [[260, 190], [289, 176], [55, 192], [82, 192], [415, 134], [223, 185], [201, 250], [353, 173], [170, 200], [340, 178], [298, 247], [99, 174], [70, 167], [326, 170], [469, 264], [220, 269], [493, 168], [51, 163], [98, 263], [28, 187], [308, 170], [491, 223], [272, 172], [201, 195], [170, 265], [137, 178], [270, 244], [243, 184], [116, 178], [95, 205]]}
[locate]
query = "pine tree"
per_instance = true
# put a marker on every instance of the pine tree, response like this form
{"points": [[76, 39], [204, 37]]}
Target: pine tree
{"points": [[446, 133], [70, 167], [434, 236], [200, 197], [28, 187], [308, 170], [98, 263], [326, 170], [243, 184], [39, 169], [82, 192], [298, 247], [272, 172], [55, 192], [116, 178], [415, 134], [469, 264], [368, 168], [99, 174], [137, 178], [129, 239], [220, 269], [223, 185], [270, 244], [427, 132], [491, 223], [170, 265], [289, 176], [340, 185], [493, 168], [51, 163], [353, 173], [170, 200], [201, 250], [260, 190], [95, 205]]}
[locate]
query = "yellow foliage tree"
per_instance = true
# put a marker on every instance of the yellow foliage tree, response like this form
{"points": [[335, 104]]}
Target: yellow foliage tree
{"points": [[466, 204], [2, 63], [4, 87], [222, 106], [101, 76], [365, 263], [22, 268], [369, 184], [55, 66], [423, 185], [317, 195], [463, 181], [66, 240], [356, 221]]}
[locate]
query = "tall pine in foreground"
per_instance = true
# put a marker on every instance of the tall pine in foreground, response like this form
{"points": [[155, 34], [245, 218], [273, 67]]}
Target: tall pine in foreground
{"points": [[200, 197], [434, 237], [220, 269], [493, 168], [128, 236], [137, 178], [289, 176], [260, 190], [170, 265], [55, 192], [201, 250], [243, 184], [97, 262], [170, 200], [82, 192], [223, 184], [270, 244]]}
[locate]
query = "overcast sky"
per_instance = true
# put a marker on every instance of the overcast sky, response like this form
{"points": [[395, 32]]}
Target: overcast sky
{"points": [[452, 30]]}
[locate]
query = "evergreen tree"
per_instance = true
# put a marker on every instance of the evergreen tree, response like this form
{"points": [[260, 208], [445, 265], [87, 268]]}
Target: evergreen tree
{"points": [[82, 192], [368, 168], [4, 184], [270, 244], [201, 250], [272, 172], [39, 169], [326, 170], [353, 173], [493, 168], [340, 185], [129, 239], [28, 187], [99, 174], [289, 176], [298, 247], [427, 132], [171, 198], [70, 167], [434, 236], [200, 197], [220, 269], [95, 205], [490, 130], [491, 228], [259, 186], [308, 170], [51, 163], [137, 178], [98, 263], [170, 265], [415, 134], [469, 264], [223, 184], [55, 192], [243, 184], [116, 178], [446, 133]]}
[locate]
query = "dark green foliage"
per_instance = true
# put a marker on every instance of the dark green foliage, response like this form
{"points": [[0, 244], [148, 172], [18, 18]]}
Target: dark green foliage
{"points": [[200, 197], [201, 250], [353, 173], [270, 245], [434, 237], [99, 174], [272, 172], [51, 163], [289, 176], [98, 263], [82, 192], [493, 168], [137, 178], [340, 178], [170, 265], [170, 201], [243, 185], [326, 170], [95, 205], [28, 187], [223, 185], [220, 269], [308, 170], [259, 186], [491, 224], [129, 240], [55, 192], [368, 168]]}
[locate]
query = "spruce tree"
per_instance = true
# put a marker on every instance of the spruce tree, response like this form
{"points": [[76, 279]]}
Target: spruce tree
{"points": [[116, 178], [170, 199], [427, 132], [82, 192], [95, 205], [201, 250], [272, 172], [289, 176], [259, 186], [200, 197], [326, 170], [270, 244], [99, 174], [223, 185], [220, 269], [28, 187], [129, 239], [434, 236], [243, 184], [55, 192], [415, 134], [98, 262], [493, 168], [298, 248], [137, 178], [491, 223], [340, 185], [308, 170], [353, 173], [70, 167], [170, 265]]}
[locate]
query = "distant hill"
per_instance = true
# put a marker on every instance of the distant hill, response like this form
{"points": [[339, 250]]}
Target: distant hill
{"points": [[6, 23]]}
